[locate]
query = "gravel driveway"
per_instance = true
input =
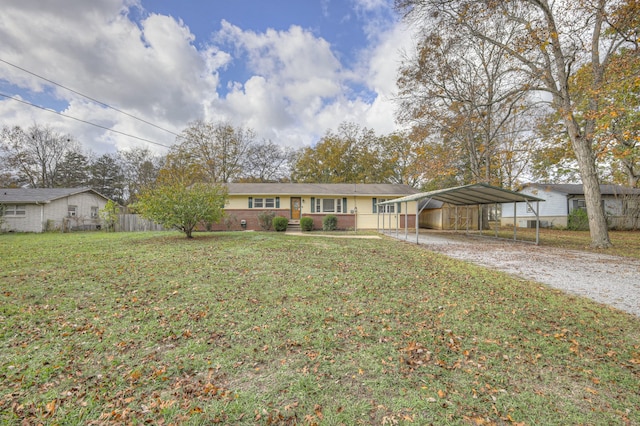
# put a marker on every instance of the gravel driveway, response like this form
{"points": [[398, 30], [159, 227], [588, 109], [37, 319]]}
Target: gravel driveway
{"points": [[606, 279]]}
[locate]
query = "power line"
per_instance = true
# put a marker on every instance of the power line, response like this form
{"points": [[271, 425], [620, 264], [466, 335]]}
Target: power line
{"points": [[89, 97], [83, 121]]}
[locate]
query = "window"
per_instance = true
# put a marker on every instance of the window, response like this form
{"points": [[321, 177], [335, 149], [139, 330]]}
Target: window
{"points": [[264, 203], [72, 211], [387, 208], [15, 210], [579, 204], [94, 212], [329, 205]]}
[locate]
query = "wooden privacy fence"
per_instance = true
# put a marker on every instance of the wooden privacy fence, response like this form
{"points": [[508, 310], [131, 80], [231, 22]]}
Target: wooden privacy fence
{"points": [[136, 223]]}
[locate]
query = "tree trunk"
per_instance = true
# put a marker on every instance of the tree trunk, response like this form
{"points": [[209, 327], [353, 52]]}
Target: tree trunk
{"points": [[598, 228]]}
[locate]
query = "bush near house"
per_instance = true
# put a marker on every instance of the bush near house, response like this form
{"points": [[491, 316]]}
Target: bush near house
{"points": [[306, 224], [329, 222], [578, 220], [265, 219], [280, 223]]}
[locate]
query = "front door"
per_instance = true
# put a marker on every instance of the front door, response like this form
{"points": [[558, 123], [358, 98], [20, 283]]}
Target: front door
{"points": [[295, 208]]}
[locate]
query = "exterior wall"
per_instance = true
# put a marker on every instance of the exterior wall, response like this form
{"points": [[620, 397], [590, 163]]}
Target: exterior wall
{"points": [[30, 222], [445, 218], [557, 206], [359, 212], [553, 211], [55, 215], [431, 219]]}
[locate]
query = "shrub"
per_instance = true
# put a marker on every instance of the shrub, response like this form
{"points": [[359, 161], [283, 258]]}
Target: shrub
{"points": [[229, 221], [306, 224], [280, 223], [578, 220], [265, 220], [329, 222]]}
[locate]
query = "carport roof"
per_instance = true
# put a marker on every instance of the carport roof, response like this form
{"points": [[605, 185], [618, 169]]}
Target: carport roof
{"points": [[478, 193]]}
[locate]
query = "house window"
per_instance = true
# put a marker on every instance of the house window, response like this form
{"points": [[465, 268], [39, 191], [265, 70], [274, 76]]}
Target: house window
{"points": [[94, 212], [72, 211], [15, 210], [329, 205], [264, 203], [387, 208]]}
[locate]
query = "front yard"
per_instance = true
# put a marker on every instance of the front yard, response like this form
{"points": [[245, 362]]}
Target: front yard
{"points": [[269, 328]]}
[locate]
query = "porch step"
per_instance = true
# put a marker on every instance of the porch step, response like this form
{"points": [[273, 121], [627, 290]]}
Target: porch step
{"points": [[293, 225]]}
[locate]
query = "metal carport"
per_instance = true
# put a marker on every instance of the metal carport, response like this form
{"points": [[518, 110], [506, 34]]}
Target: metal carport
{"points": [[467, 195]]}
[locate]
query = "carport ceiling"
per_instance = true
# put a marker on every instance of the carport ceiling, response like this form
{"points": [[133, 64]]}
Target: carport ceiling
{"points": [[467, 195]]}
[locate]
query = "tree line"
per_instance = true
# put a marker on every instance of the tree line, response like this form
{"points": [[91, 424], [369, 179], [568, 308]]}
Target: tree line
{"points": [[208, 152], [554, 81]]}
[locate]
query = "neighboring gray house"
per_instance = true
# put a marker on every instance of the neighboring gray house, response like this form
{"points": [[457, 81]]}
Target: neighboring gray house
{"points": [[621, 205], [44, 209]]}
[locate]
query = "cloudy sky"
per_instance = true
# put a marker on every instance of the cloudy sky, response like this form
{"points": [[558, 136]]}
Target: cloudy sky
{"points": [[288, 69]]}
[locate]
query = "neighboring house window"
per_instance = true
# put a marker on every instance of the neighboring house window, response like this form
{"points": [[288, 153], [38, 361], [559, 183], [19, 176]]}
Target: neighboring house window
{"points": [[579, 204], [329, 205], [94, 212], [72, 211], [631, 206], [15, 210]]}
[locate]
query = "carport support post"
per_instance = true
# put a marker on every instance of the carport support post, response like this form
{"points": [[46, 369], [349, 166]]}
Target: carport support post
{"points": [[515, 222], [397, 220], [406, 220], [417, 222], [467, 219], [496, 218], [455, 219], [537, 222]]}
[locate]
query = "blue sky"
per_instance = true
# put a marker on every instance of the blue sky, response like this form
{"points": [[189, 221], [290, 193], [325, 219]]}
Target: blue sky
{"points": [[288, 69]]}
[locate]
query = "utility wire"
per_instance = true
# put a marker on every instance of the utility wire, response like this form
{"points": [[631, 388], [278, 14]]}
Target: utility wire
{"points": [[82, 121], [89, 97]]}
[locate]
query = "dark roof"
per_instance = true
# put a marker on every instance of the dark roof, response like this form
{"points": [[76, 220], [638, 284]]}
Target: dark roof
{"points": [[39, 195], [337, 189], [577, 189], [468, 195]]}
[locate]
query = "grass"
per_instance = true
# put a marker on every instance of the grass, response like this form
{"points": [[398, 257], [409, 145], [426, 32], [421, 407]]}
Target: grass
{"points": [[269, 328], [625, 243]]}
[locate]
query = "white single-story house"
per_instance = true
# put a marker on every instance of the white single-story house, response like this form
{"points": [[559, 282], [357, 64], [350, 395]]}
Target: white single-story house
{"points": [[47, 209], [621, 205], [354, 205]]}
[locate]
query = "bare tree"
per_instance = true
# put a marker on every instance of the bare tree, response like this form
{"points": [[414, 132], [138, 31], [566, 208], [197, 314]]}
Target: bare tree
{"points": [[466, 94], [140, 169], [35, 154], [219, 148], [267, 162]]}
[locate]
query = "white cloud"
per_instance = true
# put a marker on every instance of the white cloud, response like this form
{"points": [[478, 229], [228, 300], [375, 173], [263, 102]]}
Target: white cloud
{"points": [[295, 88], [151, 70]]}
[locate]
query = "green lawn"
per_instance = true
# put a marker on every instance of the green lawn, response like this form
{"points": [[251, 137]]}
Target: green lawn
{"points": [[268, 328]]}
